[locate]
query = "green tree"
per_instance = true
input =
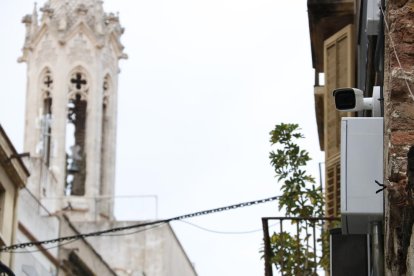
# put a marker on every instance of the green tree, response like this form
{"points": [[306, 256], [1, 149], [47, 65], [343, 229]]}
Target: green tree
{"points": [[293, 254]]}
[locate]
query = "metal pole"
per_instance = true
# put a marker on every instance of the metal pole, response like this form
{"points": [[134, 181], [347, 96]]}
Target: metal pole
{"points": [[282, 265], [298, 242], [267, 249], [314, 246], [377, 249]]}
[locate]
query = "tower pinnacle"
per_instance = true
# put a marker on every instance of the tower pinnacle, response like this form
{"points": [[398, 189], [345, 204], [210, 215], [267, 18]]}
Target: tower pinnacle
{"points": [[72, 56]]}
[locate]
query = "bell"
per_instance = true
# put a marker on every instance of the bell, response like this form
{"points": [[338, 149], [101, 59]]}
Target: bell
{"points": [[73, 168]]}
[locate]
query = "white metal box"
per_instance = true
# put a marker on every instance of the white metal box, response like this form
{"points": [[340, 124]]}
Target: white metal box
{"points": [[361, 164]]}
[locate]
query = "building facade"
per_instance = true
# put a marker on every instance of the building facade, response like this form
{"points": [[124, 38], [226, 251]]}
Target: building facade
{"points": [[72, 56], [347, 41], [13, 177], [72, 52], [332, 33], [346, 49]]}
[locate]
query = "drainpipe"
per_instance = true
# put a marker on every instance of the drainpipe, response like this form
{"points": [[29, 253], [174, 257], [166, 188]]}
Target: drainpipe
{"points": [[377, 249]]}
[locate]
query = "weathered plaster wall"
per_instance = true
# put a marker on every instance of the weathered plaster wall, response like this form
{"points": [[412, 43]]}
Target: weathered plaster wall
{"points": [[155, 252], [7, 213]]}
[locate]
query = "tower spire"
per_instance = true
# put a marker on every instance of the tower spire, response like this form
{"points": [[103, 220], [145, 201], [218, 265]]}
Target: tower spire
{"points": [[35, 22], [72, 92]]}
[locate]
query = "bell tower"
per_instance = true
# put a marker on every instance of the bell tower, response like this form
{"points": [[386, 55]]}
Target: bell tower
{"points": [[72, 53]]}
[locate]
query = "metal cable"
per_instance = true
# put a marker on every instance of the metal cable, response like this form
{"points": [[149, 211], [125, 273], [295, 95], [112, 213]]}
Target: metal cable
{"points": [[226, 232], [405, 77], [13, 247]]}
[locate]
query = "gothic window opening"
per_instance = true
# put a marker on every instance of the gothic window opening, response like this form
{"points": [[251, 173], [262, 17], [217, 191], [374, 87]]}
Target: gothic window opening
{"points": [[104, 136], [75, 136], [78, 81], [48, 81], [47, 86], [47, 128]]}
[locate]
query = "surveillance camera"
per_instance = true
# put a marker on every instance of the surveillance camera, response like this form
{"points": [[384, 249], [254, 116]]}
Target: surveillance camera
{"points": [[349, 99], [352, 99]]}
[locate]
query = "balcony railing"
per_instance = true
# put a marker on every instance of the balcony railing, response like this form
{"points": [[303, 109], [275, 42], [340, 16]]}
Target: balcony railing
{"points": [[297, 237]]}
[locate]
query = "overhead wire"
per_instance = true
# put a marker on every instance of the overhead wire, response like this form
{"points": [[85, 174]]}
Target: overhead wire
{"points": [[134, 232], [395, 52], [74, 240], [42, 249], [12, 248], [226, 232]]}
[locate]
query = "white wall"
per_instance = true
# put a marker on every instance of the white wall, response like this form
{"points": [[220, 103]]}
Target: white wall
{"points": [[155, 251]]}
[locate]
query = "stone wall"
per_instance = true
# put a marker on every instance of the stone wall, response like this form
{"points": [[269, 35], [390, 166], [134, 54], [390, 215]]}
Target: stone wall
{"points": [[399, 136]]}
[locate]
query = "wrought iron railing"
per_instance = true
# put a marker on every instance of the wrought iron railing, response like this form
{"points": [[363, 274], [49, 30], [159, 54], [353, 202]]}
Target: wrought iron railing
{"points": [[309, 230]]}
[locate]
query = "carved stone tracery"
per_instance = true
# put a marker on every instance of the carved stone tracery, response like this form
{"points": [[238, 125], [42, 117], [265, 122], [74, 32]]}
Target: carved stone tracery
{"points": [[79, 49], [47, 52]]}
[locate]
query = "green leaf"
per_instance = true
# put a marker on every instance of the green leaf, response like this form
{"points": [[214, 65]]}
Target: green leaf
{"points": [[299, 197]]}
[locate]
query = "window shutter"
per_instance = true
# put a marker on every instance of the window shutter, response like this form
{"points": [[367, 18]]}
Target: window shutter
{"points": [[333, 188], [339, 72]]}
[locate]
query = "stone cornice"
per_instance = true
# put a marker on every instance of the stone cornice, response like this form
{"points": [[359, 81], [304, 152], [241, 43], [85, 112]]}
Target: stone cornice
{"points": [[14, 167]]}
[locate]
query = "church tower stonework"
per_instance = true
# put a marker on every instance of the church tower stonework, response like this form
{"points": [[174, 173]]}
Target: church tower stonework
{"points": [[72, 53]]}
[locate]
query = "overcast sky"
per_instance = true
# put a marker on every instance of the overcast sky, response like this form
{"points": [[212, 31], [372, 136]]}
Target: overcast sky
{"points": [[205, 83]]}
